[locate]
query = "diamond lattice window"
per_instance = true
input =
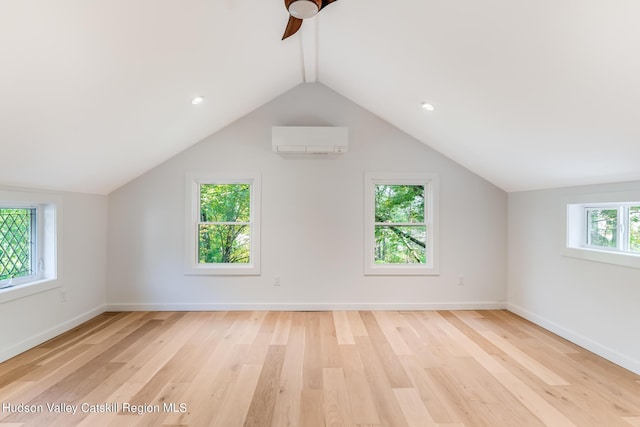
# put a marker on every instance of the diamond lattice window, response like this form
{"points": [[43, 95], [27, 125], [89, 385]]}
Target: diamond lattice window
{"points": [[17, 227]]}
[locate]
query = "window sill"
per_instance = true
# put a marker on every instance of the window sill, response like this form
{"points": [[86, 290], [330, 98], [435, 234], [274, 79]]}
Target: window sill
{"points": [[617, 258], [26, 289]]}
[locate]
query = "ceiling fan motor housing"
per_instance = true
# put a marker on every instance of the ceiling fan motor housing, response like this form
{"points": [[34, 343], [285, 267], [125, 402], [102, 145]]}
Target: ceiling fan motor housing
{"points": [[303, 9]]}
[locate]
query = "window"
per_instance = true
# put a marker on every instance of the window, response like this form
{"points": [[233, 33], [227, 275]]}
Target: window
{"points": [[223, 228], [400, 225], [613, 227], [610, 231], [634, 229], [18, 252], [28, 243], [602, 227]]}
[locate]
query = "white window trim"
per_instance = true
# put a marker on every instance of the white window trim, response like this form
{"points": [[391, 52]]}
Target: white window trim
{"points": [[192, 185], [431, 183], [576, 240], [49, 251]]}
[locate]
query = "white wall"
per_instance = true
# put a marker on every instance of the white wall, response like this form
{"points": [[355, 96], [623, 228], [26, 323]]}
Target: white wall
{"points": [[33, 319], [592, 304], [312, 221]]}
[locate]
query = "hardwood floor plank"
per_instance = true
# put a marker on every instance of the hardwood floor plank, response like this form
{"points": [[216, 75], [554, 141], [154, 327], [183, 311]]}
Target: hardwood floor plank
{"points": [[286, 411], [634, 421], [117, 322], [355, 323], [486, 397], [283, 326], [337, 411], [212, 380], [162, 363], [463, 324], [542, 372], [413, 408], [438, 405], [312, 364], [534, 402], [422, 343], [381, 386], [252, 327], [50, 378], [379, 344], [329, 342], [388, 328], [543, 336], [441, 344], [312, 408], [264, 398], [343, 329], [377, 369], [235, 407], [496, 320], [363, 407]]}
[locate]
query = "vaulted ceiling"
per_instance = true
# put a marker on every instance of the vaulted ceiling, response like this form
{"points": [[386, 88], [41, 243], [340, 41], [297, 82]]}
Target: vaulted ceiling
{"points": [[527, 94]]}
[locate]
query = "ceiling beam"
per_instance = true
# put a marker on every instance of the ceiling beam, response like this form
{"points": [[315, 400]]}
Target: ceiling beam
{"points": [[309, 50]]}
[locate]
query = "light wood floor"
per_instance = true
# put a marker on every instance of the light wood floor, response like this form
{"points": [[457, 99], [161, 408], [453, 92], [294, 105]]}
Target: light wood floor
{"points": [[461, 368]]}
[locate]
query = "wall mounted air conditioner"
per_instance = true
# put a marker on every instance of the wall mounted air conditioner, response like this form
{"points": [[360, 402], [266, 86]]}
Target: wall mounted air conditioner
{"points": [[309, 139]]}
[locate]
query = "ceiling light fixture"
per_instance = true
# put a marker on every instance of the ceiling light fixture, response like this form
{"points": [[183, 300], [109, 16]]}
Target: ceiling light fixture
{"points": [[427, 106], [197, 100], [303, 9]]}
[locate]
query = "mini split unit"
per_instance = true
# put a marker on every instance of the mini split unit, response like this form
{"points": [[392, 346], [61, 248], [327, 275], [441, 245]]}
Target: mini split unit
{"points": [[309, 139]]}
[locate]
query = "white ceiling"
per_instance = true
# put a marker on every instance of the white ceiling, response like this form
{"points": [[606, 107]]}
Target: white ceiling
{"points": [[528, 94]]}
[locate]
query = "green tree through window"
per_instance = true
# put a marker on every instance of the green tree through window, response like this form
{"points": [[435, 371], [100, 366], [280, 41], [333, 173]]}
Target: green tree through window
{"points": [[634, 229], [224, 229], [613, 227], [400, 227], [16, 242], [603, 227]]}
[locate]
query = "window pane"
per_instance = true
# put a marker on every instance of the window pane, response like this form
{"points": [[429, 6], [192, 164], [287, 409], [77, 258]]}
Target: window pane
{"points": [[15, 242], [399, 203], [400, 244], [602, 227], [634, 229], [224, 244], [225, 202]]}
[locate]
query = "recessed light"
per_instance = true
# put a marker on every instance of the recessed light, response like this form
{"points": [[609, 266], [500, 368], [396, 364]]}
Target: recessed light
{"points": [[197, 100], [427, 106]]}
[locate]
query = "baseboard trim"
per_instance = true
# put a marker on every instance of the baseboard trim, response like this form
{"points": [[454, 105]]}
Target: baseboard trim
{"points": [[488, 305], [38, 339], [614, 356]]}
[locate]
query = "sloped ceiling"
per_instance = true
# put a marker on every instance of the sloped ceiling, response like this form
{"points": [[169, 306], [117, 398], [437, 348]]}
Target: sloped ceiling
{"points": [[528, 94]]}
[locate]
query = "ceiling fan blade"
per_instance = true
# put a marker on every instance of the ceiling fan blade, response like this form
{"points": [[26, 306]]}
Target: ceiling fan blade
{"points": [[293, 26], [326, 3]]}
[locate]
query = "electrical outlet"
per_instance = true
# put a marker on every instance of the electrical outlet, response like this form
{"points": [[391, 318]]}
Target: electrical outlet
{"points": [[276, 280], [63, 296], [460, 280]]}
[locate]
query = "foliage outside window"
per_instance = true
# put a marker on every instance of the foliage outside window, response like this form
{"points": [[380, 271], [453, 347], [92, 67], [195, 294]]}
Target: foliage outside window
{"points": [[634, 229], [223, 224], [29, 248], [17, 242], [604, 232], [613, 227], [400, 226], [602, 227]]}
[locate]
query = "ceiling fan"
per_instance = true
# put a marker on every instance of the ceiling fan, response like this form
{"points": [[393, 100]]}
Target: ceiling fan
{"points": [[299, 10]]}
